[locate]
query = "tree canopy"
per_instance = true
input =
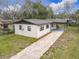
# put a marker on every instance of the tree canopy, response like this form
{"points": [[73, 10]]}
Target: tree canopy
{"points": [[35, 11], [30, 10]]}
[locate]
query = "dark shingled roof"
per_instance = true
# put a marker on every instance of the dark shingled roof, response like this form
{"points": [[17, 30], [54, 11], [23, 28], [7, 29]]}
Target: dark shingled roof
{"points": [[60, 21], [41, 21]]}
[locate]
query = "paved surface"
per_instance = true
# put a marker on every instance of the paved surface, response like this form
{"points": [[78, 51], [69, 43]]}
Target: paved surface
{"points": [[37, 49]]}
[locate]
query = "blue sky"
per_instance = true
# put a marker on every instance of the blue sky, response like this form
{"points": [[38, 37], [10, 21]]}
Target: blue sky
{"points": [[48, 2], [44, 2]]}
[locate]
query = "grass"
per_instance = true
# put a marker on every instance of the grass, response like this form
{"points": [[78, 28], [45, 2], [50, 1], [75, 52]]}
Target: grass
{"points": [[11, 44], [66, 47]]}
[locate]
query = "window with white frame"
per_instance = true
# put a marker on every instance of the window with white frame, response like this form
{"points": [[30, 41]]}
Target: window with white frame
{"points": [[28, 28], [20, 27], [47, 26], [42, 28]]}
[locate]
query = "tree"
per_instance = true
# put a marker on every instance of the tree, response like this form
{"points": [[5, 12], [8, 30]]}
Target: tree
{"points": [[77, 17], [41, 11], [61, 15], [67, 9], [50, 13], [26, 10], [34, 11], [7, 15]]}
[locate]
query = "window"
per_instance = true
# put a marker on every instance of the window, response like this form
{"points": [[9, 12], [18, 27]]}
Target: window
{"points": [[29, 28], [47, 26], [41, 28], [20, 27]]}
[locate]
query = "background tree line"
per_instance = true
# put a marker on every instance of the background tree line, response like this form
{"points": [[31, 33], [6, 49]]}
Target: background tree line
{"points": [[30, 10], [35, 10]]}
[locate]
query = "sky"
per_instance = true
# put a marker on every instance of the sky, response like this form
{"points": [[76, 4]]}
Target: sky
{"points": [[55, 5], [58, 5]]}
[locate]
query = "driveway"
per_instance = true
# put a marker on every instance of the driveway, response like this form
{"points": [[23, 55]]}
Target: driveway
{"points": [[37, 49]]}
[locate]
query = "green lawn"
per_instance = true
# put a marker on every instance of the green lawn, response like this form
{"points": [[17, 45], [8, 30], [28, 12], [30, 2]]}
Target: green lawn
{"points": [[67, 47], [11, 44]]}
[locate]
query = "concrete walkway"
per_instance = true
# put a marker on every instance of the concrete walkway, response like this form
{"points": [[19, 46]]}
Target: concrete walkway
{"points": [[37, 49]]}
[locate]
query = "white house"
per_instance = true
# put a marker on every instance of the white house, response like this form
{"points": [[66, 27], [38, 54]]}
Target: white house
{"points": [[34, 28]]}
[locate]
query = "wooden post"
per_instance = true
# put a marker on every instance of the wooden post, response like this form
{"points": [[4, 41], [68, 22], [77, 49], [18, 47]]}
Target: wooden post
{"points": [[78, 25], [78, 21]]}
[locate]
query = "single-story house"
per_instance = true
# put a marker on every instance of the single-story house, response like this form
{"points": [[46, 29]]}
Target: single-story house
{"points": [[6, 24], [35, 27]]}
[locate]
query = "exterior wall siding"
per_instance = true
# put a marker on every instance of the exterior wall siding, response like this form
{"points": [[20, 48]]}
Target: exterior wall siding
{"points": [[43, 32], [32, 33], [35, 30]]}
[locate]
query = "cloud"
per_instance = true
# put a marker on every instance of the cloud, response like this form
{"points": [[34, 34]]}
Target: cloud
{"points": [[70, 1], [11, 7], [56, 6]]}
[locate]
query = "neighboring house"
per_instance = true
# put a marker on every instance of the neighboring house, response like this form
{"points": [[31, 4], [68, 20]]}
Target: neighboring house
{"points": [[6, 24], [36, 28]]}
